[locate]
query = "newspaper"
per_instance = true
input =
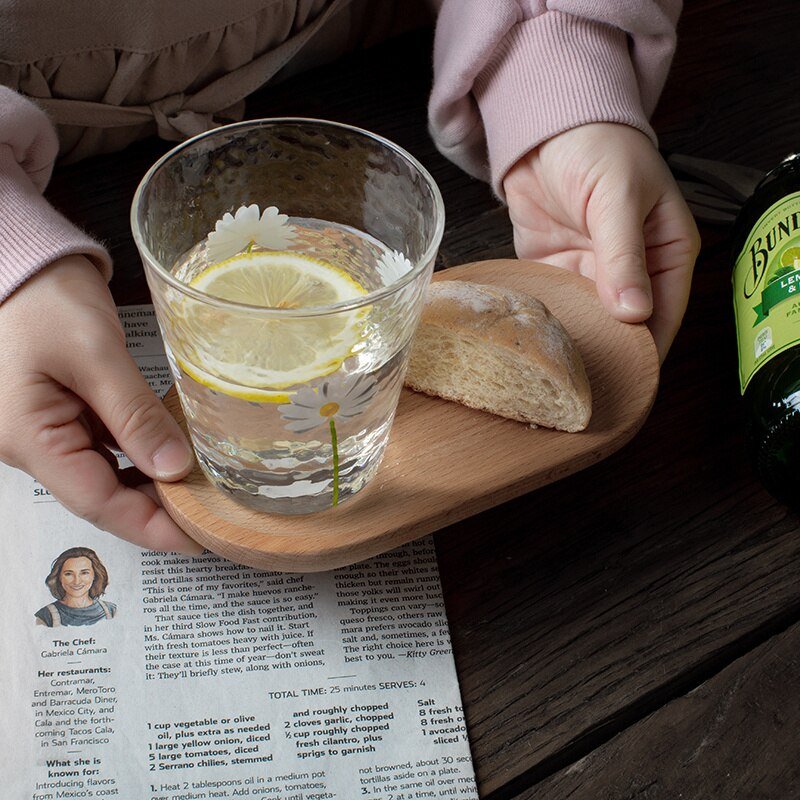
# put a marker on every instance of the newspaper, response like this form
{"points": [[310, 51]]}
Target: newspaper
{"points": [[191, 678]]}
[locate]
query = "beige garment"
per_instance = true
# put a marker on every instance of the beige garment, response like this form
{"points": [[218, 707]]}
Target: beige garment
{"points": [[110, 71]]}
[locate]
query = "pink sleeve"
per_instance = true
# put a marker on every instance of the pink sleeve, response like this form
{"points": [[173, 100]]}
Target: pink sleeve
{"points": [[32, 232], [510, 74]]}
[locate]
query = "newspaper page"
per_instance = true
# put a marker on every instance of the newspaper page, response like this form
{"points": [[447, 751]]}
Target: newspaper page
{"points": [[192, 678]]}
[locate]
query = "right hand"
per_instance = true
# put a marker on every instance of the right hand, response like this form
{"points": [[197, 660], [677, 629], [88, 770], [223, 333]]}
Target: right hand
{"points": [[65, 375], [599, 200]]}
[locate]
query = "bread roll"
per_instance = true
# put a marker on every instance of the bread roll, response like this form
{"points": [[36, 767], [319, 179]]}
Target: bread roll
{"points": [[501, 351]]}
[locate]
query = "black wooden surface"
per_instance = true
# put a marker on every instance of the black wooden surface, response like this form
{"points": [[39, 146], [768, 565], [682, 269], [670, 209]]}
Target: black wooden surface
{"points": [[599, 624], [726, 738]]}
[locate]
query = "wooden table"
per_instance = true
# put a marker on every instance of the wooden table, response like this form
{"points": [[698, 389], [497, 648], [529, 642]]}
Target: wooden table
{"points": [[632, 631]]}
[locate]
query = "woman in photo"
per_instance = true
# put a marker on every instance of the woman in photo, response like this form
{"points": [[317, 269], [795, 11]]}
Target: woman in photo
{"points": [[77, 579]]}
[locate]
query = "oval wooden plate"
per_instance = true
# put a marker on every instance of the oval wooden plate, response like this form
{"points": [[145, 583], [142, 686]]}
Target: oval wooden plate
{"points": [[444, 462]]}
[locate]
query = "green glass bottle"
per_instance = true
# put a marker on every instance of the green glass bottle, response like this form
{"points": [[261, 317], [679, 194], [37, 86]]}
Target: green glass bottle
{"points": [[766, 299]]}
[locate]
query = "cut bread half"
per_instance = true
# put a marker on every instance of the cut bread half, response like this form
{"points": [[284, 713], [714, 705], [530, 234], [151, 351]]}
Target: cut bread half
{"points": [[501, 351]]}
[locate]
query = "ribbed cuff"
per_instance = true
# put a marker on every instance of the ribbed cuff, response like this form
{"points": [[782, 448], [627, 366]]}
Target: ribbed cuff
{"points": [[550, 74], [32, 233]]}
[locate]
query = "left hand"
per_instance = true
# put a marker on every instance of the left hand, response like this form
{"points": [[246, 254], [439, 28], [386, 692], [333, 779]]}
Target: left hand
{"points": [[599, 200], [67, 384]]}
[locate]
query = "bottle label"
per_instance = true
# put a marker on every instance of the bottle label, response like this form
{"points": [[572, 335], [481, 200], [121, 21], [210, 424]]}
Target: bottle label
{"points": [[766, 287]]}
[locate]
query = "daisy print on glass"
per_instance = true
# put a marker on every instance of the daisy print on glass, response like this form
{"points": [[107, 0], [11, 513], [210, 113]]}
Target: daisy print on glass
{"points": [[392, 265], [248, 227], [337, 397]]}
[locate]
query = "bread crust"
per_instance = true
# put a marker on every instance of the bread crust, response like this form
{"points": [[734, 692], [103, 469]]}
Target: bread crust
{"points": [[519, 325]]}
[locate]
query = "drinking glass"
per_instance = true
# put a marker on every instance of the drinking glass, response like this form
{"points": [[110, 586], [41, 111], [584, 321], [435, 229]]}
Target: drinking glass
{"points": [[287, 261]]}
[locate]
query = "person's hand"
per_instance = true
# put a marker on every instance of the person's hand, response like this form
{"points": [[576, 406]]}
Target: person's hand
{"points": [[600, 200], [66, 383]]}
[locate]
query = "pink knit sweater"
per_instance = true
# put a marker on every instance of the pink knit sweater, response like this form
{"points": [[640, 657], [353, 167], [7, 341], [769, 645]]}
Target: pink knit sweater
{"points": [[508, 74], [32, 232]]}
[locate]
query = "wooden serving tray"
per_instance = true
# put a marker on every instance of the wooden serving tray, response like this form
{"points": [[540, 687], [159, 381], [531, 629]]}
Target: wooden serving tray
{"points": [[444, 462]]}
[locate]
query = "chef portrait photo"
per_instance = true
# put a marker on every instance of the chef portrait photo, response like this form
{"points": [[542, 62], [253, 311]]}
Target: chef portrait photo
{"points": [[77, 580]]}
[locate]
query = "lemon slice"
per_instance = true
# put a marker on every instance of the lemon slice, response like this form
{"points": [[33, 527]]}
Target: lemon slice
{"points": [[249, 393], [278, 280], [253, 357]]}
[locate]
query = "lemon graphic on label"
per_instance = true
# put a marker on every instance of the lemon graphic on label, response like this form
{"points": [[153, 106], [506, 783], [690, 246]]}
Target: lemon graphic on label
{"points": [[254, 356], [789, 256]]}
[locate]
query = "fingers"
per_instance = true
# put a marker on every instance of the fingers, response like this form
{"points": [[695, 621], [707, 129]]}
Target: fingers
{"points": [[644, 256], [671, 264], [623, 283], [142, 427], [88, 486], [60, 455], [670, 297]]}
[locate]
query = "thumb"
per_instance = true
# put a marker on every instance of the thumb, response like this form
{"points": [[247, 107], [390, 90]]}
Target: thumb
{"points": [[623, 284], [116, 391]]}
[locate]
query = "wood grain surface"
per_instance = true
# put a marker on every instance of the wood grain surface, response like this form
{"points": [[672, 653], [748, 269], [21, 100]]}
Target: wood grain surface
{"points": [[723, 739], [621, 588], [445, 462]]}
